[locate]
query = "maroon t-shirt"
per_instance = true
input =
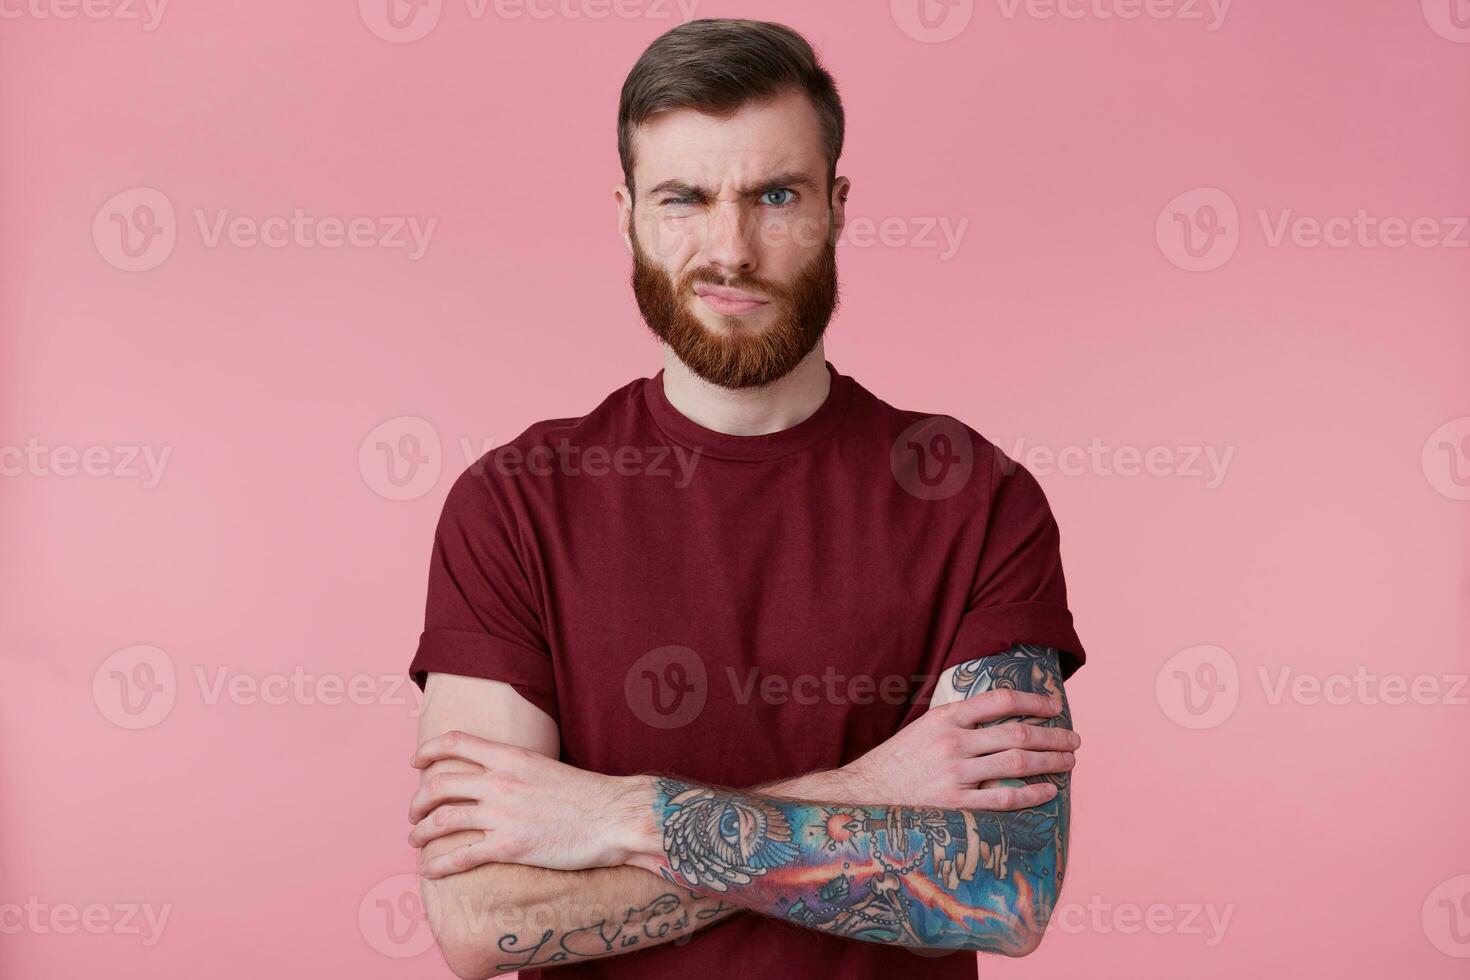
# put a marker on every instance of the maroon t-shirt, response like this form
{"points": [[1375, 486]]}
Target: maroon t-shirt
{"points": [[741, 609]]}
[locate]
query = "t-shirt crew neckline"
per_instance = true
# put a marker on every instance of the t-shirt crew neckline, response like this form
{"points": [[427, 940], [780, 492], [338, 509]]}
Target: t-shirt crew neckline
{"points": [[723, 445]]}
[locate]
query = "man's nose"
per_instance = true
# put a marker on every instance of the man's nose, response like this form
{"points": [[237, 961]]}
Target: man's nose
{"points": [[731, 246]]}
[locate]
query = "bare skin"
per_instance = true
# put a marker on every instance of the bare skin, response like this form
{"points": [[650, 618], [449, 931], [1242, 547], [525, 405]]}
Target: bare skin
{"points": [[744, 227], [555, 885]]}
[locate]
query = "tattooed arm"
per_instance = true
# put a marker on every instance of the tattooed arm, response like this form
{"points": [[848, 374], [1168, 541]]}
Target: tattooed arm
{"points": [[545, 888], [497, 918], [497, 912], [934, 877]]}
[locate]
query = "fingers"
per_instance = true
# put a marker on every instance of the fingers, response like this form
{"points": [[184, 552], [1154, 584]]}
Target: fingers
{"points": [[462, 745], [1019, 735], [1002, 703], [447, 819], [442, 787], [1015, 764], [459, 859], [1007, 797]]}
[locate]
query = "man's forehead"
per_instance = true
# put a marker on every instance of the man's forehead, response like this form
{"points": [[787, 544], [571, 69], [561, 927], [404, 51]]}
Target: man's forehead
{"points": [[782, 135]]}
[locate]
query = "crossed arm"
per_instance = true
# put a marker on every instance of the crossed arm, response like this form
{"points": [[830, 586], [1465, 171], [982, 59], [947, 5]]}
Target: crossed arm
{"points": [[949, 850]]}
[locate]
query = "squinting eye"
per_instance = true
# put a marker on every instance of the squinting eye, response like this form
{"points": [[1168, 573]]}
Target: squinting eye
{"points": [[784, 194]]}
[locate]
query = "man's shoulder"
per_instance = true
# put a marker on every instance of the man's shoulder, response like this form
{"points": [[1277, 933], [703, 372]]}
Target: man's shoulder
{"points": [[617, 416], [551, 447], [915, 437]]}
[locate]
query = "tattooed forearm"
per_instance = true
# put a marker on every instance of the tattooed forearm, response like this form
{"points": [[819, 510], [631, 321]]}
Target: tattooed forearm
{"points": [[1034, 669], [912, 876], [672, 917]]}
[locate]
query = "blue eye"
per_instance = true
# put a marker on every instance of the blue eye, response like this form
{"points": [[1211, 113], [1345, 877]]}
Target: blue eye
{"points": [[730, 825], [785, 194]]}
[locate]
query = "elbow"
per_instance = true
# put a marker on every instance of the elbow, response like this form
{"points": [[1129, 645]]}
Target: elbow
{"points": [[1023, 930], [467, 948], [1022, 938], [1025, 941], [464, 961], [466, 955], [1034, 919]]}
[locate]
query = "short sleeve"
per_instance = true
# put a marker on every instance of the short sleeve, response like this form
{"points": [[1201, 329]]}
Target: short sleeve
{"points": [[1019, 594], [481, 617]]}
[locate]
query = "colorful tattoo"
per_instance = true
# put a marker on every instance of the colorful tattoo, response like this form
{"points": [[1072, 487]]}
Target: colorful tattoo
{"points": [[911, 876]]}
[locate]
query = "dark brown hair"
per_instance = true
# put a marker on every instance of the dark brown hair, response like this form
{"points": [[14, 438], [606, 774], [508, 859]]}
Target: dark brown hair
{"points": [[716, 66]]}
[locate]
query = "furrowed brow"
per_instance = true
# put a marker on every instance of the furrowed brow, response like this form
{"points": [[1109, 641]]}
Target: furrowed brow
{"points": [[794, 179]]}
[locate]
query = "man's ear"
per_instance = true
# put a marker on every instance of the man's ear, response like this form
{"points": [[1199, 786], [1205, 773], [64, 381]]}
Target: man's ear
{"points": [[624, 197], [840, 188]]}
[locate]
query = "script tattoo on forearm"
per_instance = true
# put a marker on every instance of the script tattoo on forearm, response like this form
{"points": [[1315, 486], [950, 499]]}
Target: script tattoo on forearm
{"points": [[910, 876], [673, 914]]}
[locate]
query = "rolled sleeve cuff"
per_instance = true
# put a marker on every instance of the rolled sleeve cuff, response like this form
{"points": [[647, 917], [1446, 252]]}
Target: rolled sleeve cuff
{"points": [[474, 654], [995, 629]]}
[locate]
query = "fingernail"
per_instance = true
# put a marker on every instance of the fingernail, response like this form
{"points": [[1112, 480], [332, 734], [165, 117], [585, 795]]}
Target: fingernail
{"points": [[1069, 757]]}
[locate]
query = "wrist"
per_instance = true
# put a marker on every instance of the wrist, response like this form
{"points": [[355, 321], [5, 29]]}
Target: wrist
{"points": [[633, 834], [855, 784]]}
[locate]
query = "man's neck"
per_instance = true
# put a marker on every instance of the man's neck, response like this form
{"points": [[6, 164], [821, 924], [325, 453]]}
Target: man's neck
{"points": [[749, 411]]}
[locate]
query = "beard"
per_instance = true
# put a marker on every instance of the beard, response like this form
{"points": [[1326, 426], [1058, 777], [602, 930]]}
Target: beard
{"points": [[741, 357]]}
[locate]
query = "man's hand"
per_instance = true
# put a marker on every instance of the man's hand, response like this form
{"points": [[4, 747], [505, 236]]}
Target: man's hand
{"points": [[537, 811], [943, 759], [534, 810]]}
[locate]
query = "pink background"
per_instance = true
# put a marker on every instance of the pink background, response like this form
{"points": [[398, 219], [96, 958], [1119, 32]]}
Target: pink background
{"points": [[1332, 835]]}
